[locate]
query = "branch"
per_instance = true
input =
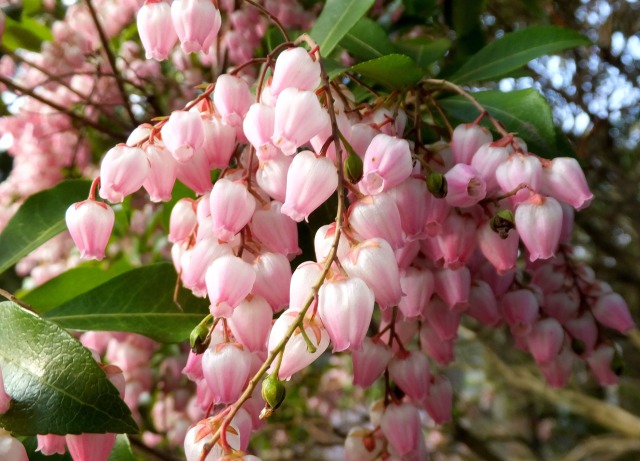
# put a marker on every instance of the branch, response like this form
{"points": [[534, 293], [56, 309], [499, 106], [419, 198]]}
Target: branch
{"points": [[70, 113], [112, 61], [614, 446]]}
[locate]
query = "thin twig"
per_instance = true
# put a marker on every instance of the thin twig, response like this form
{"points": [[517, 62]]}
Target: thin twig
{"points": [[112, 61], [272, 17], [54, 105], [12, 298]]}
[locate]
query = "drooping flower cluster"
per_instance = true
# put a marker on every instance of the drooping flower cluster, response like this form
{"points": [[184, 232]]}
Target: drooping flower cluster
{"points": [[428, 236]]}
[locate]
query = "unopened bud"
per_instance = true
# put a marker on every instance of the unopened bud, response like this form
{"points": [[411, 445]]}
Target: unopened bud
{"points": [[353, 168], [198, 339], [273, 393], [437, 185], [502, 223]]}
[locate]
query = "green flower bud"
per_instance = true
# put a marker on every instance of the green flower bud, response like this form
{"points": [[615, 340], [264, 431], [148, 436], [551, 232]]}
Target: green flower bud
{"points": [[437, 185], [273, 393], [502, 223], [198, 339], [353, 168]]}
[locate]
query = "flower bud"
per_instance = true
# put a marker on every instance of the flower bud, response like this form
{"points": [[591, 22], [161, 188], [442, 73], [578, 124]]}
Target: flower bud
{"points": [[353, 168], [273, 393], [198, 339], [502, 223], [437, 184]]}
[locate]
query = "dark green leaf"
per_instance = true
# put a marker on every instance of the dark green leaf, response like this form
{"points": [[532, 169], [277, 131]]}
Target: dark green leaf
{"points": [[423, 50], [68, 285], [122, 450], [28, 34], [515, 50], [394, 71], [367, 40], [40, 218], [464, 17], [138, 301], [524, 112], [419, 8], [335, 21], [55, 384]]}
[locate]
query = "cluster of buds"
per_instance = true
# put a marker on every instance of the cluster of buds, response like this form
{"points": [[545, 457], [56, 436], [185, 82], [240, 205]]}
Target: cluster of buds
{"points": [[430, 233]]}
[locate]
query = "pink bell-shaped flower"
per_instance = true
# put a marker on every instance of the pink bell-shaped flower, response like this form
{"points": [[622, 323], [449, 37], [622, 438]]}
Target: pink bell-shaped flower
{"points": [[457, 240], [439, 402], [520, 169], [182, 221], [273, 277], [482, 303], [295, 68], [272, 176], [162, 173], [584, 332], [558, 371], [418, 286], [564, 180], [431, 344], [303, 279], [600, 362], [362, 444], [465, 187], [183, 134], [258, 128], [487, 160], [232, 207], [196, 23], [229, 280], [545, 340], [251, 323], [323, 241], [195, 173], [387, 162], [296, 356], [369, 362], [122, 172], [11, 449], [219, 142], [232, 98], [611, 310], [196, 262], [51, 444], [345, 306], [453, 286], [411, 372], [201, 433], [442, 319], [276, 231], [520, 309], [501, 253], [90, 447], [401, 426], [226, 368], [156, 29], [90, 224], [377, 216], [311, 180], [411, 197], [298, 118], [539, 223], [374, 262], [466, 140]]}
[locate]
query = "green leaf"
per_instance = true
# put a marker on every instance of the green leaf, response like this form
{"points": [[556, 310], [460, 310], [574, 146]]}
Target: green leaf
{"points": [[30, 7], [524, 112], [394, 71], [423, 50], [55, 384], [68, 285], [515, 50], [367, 40], [335, 21], [28, 34], [137, 301], [464, 17], [40, 218], [122, 450]]}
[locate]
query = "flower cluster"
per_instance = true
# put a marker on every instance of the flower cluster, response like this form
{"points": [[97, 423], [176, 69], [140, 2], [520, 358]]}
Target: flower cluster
{"points": [[425, 236]]}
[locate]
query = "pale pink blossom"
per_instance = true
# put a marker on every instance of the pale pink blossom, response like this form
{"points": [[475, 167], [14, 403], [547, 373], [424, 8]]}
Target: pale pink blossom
{"points": [[295, 68], [226, 368], [156, 29], [539, 223], [90, 224], [369, 362], [466, 140], [232, 98], [387, 162], [465, 187], [232, 207], [183, 134], [229, 280], [122, 172], [564, 180], [196, 23]]}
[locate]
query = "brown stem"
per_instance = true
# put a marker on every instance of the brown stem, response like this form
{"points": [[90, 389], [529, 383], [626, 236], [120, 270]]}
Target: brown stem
{"points": [[12, 298], [79, 118], [112, 61]]}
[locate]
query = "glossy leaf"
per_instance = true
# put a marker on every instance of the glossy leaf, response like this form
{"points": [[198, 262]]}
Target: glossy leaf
{"points": [[27, 33], [525, 113], [40, 218], [515, 50], [336, 20], [395, 71], [423, 50], [367, 40], [137, 301], [68, 285], [55, 384]]}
